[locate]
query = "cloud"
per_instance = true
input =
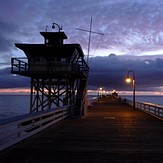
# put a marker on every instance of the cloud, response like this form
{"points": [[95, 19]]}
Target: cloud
{"points": [[110, 72], [6, 39], [131, 28], [11, 81]]}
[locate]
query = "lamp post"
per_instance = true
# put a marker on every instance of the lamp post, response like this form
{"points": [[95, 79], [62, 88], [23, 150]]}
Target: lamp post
{"points": [[59, 27], [130, 79], [99, 92]]}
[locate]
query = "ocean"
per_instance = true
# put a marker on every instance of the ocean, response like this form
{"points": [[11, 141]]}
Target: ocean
{"points": [[14, 105]]}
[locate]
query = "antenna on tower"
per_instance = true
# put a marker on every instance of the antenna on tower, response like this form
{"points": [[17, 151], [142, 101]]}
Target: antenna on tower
{"points": [[90, 32], [46, 28]]}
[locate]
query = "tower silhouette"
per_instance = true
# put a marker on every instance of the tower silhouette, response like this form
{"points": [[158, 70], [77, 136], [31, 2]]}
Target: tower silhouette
{"points": [[58, 73]]}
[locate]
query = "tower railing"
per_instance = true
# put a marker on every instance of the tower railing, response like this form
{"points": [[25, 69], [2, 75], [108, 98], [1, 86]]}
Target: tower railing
{"points": [[21, 65]]}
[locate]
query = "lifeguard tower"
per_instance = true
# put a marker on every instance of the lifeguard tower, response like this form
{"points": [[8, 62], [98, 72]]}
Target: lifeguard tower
{"points": [[58, 73]]}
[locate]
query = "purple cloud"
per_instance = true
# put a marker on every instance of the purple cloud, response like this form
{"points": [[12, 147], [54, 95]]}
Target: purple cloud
{"points": [[131, 28]]}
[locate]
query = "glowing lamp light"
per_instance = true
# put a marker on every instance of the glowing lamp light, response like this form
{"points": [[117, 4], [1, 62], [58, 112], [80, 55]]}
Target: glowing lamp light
{"points": [[128, 80]]}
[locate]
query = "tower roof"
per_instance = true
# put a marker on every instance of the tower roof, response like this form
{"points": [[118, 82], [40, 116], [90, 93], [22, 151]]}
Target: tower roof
{"points": [[54, 34], [41, 50]]}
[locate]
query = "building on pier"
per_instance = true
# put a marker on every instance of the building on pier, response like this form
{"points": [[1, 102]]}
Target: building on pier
{"points": [[58, 73]]}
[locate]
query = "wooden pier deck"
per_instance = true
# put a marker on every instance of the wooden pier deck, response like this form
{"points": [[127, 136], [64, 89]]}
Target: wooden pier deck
{"points": [[110, 132]]}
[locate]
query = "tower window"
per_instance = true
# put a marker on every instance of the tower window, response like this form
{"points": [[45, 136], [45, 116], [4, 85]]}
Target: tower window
{"points": [[46, 41]]}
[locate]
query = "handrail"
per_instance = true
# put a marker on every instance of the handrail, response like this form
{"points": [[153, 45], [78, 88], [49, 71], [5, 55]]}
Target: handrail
{"points": [[152, 109], [22, 65], [19, 64], [16, 129]]}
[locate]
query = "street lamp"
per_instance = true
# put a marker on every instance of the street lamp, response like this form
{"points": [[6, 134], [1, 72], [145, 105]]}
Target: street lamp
{"points": [[130, 79], [59, 27], [99, 92]]}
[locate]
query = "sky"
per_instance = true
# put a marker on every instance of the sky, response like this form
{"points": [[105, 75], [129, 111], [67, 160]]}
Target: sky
{"points": [[132, 38]]}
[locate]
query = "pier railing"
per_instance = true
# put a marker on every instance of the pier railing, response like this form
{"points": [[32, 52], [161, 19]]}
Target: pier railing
{"points": [[13, 130], [152, 109]]}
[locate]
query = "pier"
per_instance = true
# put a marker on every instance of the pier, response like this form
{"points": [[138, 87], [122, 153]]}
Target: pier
{"points": [[111, 131]]}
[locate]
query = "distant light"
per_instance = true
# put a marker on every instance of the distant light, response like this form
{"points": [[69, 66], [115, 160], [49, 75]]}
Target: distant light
{"points": [[100, 88], [113, 90]]}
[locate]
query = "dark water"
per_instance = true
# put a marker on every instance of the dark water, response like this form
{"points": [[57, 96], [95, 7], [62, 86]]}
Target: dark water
{"points": [[13, 105]]}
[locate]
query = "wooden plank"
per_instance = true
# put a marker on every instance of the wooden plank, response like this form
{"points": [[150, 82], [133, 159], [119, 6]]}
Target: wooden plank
{"points": [[110, 132]]}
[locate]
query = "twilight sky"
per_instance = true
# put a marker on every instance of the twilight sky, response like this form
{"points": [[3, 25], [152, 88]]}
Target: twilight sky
{"points": [[133, 31]]}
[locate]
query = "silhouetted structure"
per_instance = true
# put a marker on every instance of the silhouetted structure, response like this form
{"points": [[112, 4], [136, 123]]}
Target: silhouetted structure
{"points": [[58, 72]]}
